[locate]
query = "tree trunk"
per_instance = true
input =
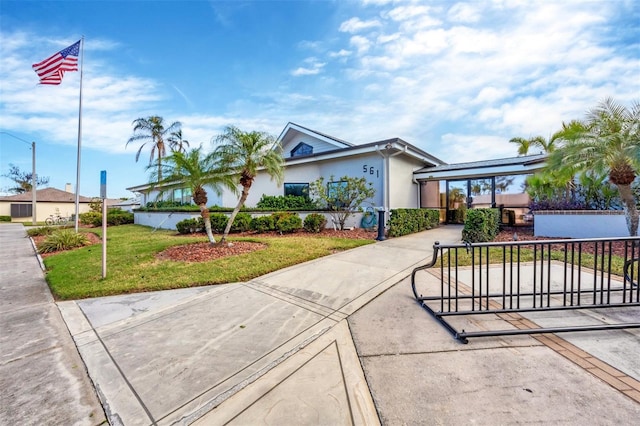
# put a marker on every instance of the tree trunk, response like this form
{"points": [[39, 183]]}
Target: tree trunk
{"points": [[630, 210], [204, 212], [243, 198]]}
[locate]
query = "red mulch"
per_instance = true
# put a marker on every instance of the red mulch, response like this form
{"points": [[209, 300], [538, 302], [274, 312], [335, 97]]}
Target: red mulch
{"points": [[526, 234]]}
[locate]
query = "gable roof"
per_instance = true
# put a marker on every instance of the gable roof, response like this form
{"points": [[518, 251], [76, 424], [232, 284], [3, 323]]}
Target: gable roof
{"points": [[47, 195], [291, 130]]}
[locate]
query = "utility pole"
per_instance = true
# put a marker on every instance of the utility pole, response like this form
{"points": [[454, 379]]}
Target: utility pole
{"points": [[33, 175]]}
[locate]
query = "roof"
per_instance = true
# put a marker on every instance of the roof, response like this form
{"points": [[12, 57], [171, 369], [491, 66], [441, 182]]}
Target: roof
{"points": [[512, 161], [303, 129], [47, 195]]}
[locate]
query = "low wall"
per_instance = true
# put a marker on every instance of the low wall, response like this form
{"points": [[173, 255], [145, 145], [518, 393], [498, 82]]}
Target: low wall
{"points": [[580, 224], [168, 220]]}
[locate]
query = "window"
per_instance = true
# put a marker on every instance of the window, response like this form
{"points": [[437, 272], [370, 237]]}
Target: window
{"points": [[182, 195], [298, 189], [336, 193], [302, 149], [21, 210]]}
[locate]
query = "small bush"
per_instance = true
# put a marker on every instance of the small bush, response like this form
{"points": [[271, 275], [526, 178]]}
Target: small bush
{"points": [[40, 231], [190, 226], [263, 224], [241, 223], [62, 239], [287, 223], [117, 217], [315, 222], [5, 218], [91, 218], [218, 222], [481, 225]]}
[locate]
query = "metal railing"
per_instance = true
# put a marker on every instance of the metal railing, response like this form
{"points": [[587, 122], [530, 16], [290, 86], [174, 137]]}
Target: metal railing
{"points": [[530, 276]]}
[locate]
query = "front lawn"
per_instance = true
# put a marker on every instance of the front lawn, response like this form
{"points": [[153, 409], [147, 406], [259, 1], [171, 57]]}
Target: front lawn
{"points": [[133, 265]]}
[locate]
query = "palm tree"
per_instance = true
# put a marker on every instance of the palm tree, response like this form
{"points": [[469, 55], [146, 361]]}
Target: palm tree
{"points": [[244, 153], [176, 142], [524, 145], [607, 141], [195, 170], [151, 129]]}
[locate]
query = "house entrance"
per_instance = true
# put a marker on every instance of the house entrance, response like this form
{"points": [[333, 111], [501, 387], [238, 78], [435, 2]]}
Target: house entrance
{"points": [[504, 192]]}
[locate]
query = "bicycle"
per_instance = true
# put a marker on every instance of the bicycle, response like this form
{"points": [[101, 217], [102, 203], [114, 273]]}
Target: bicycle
{"points": [[55, 219]]}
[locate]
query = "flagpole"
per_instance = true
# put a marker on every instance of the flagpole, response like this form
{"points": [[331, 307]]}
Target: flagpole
{"points": [[79, 137]]}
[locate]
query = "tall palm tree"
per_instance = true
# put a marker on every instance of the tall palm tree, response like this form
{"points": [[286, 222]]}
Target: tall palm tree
{"points": [[244, 153], [176, 142], [151, 129], [195, 170], [607, 141]]}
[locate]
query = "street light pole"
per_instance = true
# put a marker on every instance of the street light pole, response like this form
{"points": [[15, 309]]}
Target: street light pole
{"points": [[33, 175]]}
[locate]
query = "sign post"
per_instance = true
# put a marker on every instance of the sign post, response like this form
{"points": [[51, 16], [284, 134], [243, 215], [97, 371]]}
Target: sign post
{"points": [[103, 195]]}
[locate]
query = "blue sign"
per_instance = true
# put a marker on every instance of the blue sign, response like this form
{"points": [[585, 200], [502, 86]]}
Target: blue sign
{"points": [[103, 184]]}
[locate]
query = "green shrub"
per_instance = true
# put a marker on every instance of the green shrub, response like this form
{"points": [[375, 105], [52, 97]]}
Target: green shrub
{"points": [[62, 239], [263, 224], [91, 218], [409, 221], [241, 223], [5, 218], [315, 222], [287, 223], [117, 217], [190, 226], [286, 202], [218, 222], [40, 231], [481, 225]]}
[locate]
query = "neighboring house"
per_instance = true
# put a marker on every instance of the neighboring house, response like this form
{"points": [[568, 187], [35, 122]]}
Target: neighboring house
{"points": [[49, 201], [402, 175], [127, 205]]}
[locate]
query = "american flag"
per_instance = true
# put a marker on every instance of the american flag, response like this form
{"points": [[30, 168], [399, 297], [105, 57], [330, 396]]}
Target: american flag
{"points": [[53, 68]]}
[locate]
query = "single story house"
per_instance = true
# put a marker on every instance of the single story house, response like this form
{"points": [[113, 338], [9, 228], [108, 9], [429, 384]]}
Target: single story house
{"points": [[49, 201], [403, 175]]}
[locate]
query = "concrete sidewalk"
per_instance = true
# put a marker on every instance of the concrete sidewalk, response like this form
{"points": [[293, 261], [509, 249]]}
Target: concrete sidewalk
{"points": [[339, 340], [42, 378]]}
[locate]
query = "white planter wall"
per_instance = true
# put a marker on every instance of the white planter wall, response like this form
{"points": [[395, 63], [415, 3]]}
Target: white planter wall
{"points": [[164, 220], [580, 224]]}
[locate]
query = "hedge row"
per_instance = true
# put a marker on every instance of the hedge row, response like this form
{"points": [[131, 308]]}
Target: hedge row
{"points": [[481, 225], [283, 222], [114, 217], [408, 221]]}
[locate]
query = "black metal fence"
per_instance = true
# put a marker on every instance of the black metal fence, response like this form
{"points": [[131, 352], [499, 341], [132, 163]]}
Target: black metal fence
{"points": [[530, 276]]}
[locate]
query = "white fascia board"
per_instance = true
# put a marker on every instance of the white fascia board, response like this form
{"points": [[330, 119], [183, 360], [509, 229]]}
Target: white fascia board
{"points": [[518, 169], [354, 151], [331, 141]]}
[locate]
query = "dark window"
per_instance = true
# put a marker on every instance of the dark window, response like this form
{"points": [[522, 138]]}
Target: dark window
{"points": [[20, 210], [301, 149], [299, 189]]}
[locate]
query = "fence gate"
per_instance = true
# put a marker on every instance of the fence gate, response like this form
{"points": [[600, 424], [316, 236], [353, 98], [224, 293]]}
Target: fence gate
{"points": [[530, 276]]}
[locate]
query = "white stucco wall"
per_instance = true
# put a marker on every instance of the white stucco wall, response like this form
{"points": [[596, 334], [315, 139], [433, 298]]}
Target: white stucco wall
{"points": [[403, 193], [580, 224]]}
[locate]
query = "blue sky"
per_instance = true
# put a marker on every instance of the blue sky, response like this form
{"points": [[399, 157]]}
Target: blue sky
{"points": [[455, 79]]}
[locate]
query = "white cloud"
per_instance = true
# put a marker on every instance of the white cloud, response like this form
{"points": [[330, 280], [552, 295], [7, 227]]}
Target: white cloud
{"points": [[464, 13], [355, 25]]}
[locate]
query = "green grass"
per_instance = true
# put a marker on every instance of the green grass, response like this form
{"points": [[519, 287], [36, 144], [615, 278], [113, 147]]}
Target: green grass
{"points": [[132, 265]]}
